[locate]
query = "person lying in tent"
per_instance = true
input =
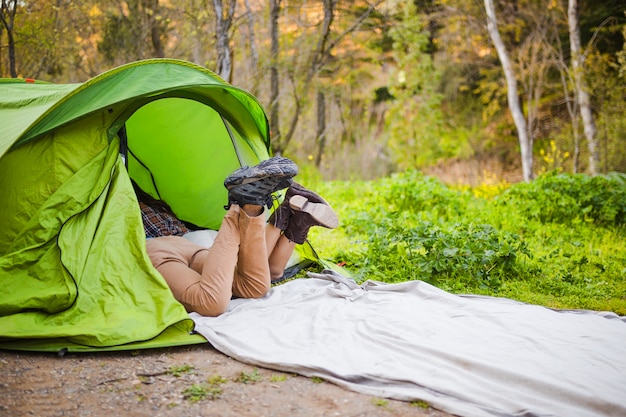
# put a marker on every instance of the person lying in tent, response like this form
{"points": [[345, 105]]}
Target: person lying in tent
{"points": [[248, 252]]}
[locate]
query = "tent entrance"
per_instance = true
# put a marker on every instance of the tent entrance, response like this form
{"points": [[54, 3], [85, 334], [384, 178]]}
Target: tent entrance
{"points": [[180, 150]]}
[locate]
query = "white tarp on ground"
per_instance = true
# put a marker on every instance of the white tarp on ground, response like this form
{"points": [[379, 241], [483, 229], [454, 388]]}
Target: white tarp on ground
{"points": [[466, 355]]}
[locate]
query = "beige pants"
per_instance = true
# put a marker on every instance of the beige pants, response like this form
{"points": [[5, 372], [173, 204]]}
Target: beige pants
{"points": [[204, 280]]}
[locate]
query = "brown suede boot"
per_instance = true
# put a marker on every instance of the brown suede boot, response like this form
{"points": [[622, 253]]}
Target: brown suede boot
{"points": [[308, 209], [281, 216]]}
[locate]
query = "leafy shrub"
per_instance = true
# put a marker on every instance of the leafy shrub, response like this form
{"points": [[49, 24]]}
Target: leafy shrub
{"points": [[411, 191], [460, 255], [405, 199], [567, 198], [467, 241]]}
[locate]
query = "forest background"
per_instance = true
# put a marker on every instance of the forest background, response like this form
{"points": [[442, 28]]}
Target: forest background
{"points": [[361, 89]]}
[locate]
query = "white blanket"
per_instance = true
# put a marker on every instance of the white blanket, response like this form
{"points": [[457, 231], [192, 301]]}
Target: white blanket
{"points": [[466, 355]]}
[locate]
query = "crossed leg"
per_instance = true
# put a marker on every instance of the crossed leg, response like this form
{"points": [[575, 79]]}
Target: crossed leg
{"points": [[246, 255]]}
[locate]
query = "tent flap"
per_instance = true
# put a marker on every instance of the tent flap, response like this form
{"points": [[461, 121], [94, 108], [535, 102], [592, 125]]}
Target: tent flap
{"points": [[100, 251]]}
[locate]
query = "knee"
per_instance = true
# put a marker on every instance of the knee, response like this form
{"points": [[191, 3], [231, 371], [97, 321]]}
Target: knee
{"points": [[264, 287], [262, 291], [257, 289], [210, 310], [276, 272], [205, 301]]}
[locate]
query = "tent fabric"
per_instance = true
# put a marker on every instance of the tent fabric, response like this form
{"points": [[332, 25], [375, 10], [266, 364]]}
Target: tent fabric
{"points": [[120, 89], [82, 273], [73, 268], [466, 355]]}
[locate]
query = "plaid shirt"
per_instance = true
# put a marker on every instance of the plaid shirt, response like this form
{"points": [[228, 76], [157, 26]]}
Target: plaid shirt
{"points": [[160, 223]]}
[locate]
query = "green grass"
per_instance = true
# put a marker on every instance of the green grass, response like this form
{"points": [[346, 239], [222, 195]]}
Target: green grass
{"points": [[199, 392], [178, 371], [211, 390], [558, 241], [251, 377]]}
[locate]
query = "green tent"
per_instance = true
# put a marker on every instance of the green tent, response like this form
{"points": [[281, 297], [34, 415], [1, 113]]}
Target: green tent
{"points": [[73, 268]]}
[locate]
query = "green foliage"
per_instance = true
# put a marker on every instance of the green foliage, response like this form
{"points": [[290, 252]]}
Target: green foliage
{"points": [[216, 380], [407, 196], [278, 378], [380, 402], [420, 404], [557, 241], [249, 377], [199, 392], [406, 238], [132, 34], [401, 194], [211, 390], [565, 198], [180, 370], [414, 118], [453, 257]]}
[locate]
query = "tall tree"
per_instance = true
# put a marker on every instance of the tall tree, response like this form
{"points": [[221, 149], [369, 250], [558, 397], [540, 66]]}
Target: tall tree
{"points": [[224, 14], [414, 117], [581, 88], [130, 26], [309, 63], [535, 66], [320, 134], [154, 28], [320, 54], [8, 8], [37, 45], [254, 53], [274, 81], [553, 44], [525, 142]]}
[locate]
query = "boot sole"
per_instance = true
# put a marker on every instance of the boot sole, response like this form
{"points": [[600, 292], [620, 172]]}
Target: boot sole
{"points": [[323, 214], [274, 167], [281, 176]]}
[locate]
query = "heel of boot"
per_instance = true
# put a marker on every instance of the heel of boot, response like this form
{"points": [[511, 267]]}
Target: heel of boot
{"points": [[321, 214], [298, 202]]}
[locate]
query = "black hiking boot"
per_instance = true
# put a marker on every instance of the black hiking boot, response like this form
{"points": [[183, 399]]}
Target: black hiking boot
{"points": [[255, 185]]}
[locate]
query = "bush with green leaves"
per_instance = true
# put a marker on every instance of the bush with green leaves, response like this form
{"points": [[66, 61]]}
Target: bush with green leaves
{"points": [[567, 198], [556, 241], [411, 191], [408, 197], [452, 257]]}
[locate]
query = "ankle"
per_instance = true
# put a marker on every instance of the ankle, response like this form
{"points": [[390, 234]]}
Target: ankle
{"points": [[252, 210]]}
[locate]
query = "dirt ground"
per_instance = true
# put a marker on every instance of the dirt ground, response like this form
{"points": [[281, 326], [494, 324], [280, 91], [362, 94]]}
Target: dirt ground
{"points": [[188, 381]]}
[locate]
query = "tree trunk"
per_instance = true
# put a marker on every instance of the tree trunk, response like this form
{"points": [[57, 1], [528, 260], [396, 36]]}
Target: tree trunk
{"points": [[321, 127], [254, 53], [318, 58], [512, 96], [582, 96], [223, 22], [316, 62], [7, 17], [12, 64], [274, 87], [152, 7]]}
